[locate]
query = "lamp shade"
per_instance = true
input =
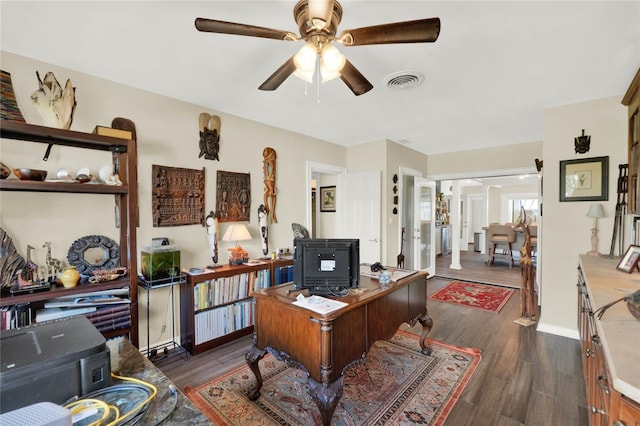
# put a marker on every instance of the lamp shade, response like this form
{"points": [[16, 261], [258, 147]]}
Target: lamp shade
{"points": [[596, 210], [236, 232]]}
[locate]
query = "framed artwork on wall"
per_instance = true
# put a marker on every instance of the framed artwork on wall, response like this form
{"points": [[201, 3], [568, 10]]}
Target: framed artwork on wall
{"points": [[585, 179], [327, 198]]}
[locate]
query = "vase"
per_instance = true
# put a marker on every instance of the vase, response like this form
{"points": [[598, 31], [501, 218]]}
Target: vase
{"points": [[70, 277]]}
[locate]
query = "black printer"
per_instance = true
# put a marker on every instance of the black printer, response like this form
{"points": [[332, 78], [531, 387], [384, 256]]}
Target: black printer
{"points": [[52, 361]]}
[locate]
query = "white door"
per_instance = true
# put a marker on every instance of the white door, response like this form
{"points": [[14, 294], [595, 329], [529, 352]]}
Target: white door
{"points": [[424, 232], [358, 212]]}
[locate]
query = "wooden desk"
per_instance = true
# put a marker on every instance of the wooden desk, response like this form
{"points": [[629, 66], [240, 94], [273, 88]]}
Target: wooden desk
{"points": [[325, 345]]}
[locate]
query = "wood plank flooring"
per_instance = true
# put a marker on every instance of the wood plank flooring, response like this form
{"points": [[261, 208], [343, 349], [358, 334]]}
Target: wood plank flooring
{"points": [[525, 377]]}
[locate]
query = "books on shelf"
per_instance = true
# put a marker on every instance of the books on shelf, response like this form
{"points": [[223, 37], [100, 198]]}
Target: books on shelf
{"points": [[220, 321], [110, 131]]}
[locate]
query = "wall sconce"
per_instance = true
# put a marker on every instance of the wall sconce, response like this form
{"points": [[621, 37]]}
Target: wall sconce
{"points": [[582, 143]]}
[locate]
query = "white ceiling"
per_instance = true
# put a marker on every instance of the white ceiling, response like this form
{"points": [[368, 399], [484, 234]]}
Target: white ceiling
{"points": [[494, 68]]}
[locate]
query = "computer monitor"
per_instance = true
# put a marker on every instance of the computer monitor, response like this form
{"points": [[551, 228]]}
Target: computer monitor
{"points": [[326, 266]]}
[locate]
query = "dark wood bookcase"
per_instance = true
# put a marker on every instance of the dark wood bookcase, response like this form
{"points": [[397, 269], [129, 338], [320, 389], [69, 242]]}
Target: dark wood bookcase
{"points": [[124, 155]]}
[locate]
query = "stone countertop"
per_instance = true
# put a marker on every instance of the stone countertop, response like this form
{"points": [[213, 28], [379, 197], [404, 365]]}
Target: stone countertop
{"points": [[619, 331], [127, 361]]}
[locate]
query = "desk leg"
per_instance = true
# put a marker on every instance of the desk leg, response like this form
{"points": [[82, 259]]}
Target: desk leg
{"points": [[326, 397], [252, 357], [426, 322]]}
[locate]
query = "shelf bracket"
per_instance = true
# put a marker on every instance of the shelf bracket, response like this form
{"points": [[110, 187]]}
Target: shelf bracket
{"points": [[47, 152]]}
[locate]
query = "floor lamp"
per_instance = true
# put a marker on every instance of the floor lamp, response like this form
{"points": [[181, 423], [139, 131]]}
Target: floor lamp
{"points": [[595, 211]]}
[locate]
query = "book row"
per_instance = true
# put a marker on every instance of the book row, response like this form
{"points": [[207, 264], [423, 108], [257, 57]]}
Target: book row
{"points": [[219, 291], [218, 322]]}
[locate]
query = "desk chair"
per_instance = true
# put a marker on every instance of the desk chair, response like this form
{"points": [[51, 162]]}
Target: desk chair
{"points": [[501, 238]]}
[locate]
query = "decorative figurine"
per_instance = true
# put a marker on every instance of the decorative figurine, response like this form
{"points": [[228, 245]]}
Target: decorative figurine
{"points": [[54, 103], [209, 136], [54, 266], [264, 231], [528, 278], [10, 261], [269, 170], [212, 233], [582, 143]]}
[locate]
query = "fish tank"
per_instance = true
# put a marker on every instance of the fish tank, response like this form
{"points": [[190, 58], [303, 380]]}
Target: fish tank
{"points": [[160, 263]]}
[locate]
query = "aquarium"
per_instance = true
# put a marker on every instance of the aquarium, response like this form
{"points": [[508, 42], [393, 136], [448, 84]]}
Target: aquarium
{"points": [[160, 262]]}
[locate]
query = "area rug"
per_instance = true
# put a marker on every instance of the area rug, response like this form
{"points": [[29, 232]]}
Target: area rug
{"points": [[482, 296], [396, 384]]}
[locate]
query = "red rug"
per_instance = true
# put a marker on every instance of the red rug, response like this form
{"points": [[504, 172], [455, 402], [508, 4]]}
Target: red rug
{"points": [[395, 385], [481, 296]]}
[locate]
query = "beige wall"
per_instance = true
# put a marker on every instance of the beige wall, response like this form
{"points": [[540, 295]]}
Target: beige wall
{"points": [[566, 229], [476, 162]]}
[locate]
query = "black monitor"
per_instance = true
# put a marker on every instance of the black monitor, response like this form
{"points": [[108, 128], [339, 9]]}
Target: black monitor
{"points": [[326, 266]]}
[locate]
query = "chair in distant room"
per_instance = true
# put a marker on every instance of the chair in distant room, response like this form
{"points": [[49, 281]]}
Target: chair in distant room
{"points": [[501, 237]]}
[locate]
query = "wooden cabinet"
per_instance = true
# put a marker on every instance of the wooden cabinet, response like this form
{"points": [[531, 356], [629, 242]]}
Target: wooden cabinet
{"points": [[606, 406], [632, 100], [126, 199], [217, 306]]}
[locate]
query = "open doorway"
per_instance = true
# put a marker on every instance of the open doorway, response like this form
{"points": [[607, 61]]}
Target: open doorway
{"points": [[485, 200]]}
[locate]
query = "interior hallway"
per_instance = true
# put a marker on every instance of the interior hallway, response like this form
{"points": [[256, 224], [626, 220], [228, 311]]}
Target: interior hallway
{"points": [[475, 269]]}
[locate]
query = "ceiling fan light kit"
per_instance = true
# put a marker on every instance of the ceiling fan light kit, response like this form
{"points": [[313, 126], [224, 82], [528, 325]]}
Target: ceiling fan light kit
{"points": [[318, 22]]}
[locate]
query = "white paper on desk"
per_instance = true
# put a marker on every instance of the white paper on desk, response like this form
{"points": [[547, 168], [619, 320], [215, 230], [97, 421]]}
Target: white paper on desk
{"points": [[319, 304]]}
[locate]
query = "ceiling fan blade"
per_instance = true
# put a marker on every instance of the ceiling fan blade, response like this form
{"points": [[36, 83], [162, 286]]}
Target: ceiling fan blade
{"points": [[358, 84], [418, 31], [279, 76], [223, 27]]}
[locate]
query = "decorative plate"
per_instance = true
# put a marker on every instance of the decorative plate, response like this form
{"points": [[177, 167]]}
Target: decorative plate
{"points": [[93, 252]]}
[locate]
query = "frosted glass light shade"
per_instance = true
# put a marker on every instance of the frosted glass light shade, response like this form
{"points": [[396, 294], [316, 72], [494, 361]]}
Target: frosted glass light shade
{"points": [[305, 62]]}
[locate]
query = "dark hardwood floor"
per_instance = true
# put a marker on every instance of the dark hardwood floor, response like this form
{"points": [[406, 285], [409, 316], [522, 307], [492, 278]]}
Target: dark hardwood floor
{"points": [[525, 377]]}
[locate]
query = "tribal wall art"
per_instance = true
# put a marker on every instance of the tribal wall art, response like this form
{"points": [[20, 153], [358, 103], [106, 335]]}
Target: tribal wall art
{"points": [[233, 196], [178, 196]]}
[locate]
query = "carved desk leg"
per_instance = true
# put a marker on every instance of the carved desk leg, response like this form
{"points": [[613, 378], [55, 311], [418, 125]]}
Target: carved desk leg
{"points": [[426, 322], [252, 357], [326, 397]]}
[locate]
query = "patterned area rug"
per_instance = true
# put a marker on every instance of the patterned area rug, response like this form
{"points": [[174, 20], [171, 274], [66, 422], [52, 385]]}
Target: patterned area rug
{"points": [[396, 384], [482, 296]]}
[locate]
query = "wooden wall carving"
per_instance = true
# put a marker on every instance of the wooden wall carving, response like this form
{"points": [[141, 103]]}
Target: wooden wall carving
{"points": [[233, 196], [178, 196]]}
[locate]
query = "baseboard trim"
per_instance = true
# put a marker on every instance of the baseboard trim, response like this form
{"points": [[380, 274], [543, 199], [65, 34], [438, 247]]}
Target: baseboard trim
{"points": [[558, 331]]}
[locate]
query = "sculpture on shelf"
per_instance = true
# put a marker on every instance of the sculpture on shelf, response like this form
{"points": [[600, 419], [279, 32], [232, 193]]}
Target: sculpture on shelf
{"points": [[10, 261], [55, 104], [264, 231], [209, 136], [54, 266], [269, 171], [212, 233], [528, 304]]}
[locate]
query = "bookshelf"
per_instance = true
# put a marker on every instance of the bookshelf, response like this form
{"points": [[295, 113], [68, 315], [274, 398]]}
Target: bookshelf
{"points": [[216, 306], [632, 101], [123, 153]]}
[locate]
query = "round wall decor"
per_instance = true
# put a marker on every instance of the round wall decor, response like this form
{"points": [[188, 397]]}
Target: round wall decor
{"points": [[93, 252]]}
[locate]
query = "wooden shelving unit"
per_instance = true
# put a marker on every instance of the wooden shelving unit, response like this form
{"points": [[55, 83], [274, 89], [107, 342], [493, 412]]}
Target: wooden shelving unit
{"points": [[226, 288], [632, 100], [124, 154]]}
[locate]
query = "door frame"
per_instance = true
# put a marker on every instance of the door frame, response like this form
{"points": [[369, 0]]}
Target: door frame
{"points": [[313, 168]]}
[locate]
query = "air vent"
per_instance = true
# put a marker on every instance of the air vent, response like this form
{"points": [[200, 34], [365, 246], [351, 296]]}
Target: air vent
{"points": [[405, 80]]}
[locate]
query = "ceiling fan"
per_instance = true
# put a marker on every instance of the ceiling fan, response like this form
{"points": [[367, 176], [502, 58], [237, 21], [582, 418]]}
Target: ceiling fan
{"points": [[318, 22]]}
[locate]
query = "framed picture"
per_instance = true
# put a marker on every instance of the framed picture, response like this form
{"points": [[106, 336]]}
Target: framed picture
{"points": [[630, 259], [584, 179], [327, 198]]}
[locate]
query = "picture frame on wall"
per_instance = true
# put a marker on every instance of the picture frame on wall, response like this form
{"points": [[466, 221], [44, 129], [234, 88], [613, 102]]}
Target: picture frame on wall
{"points": [[629, 261], [584, 179], [327, 198]]}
